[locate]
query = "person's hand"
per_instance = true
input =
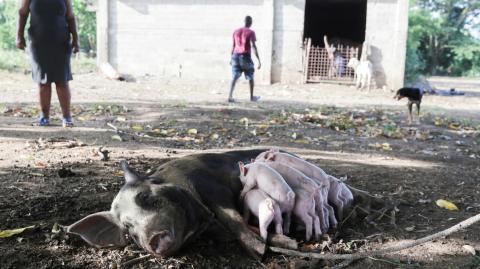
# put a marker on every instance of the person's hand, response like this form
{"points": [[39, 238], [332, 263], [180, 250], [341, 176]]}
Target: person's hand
{"points": [[21, 44], [259, 65], [75, 46]]}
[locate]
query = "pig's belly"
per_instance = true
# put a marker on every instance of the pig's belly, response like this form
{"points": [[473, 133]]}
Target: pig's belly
{"points": [[214, 177]]}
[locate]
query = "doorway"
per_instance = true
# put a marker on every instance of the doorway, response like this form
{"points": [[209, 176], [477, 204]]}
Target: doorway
{"points": [[344, 24]]}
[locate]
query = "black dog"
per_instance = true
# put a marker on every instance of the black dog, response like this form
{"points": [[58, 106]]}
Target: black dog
{"points": [[414, 96]]}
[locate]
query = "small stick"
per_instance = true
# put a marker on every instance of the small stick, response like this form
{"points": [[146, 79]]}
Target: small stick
{"points": [[380, 252], [112, 126], [131, 262]]}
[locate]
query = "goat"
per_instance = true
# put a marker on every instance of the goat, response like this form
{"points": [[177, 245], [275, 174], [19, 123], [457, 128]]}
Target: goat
{"points": [[363, 72]]}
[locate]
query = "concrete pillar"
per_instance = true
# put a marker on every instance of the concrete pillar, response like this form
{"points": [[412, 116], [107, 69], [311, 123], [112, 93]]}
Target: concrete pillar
{"points": [[102, 32]]}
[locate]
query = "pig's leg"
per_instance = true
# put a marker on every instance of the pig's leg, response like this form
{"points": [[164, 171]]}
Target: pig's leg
{"points": [[331, 215], [246, 212], [234, 222], [278, 220], [339, 205], [286, 222], [321, 214], [265, 217], [307, 220], [316, 225]]}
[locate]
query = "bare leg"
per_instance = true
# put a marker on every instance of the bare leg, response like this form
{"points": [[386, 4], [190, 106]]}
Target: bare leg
{"points": [[45, 96], [232, 86], [252, 85], [63, 92]]}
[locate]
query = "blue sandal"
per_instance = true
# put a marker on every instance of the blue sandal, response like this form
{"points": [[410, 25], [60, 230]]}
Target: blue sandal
{"points": [[67, 122], [44, 121]]}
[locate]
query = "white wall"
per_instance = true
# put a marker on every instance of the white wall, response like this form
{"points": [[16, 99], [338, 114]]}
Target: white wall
{"points": [[187, 38], [193, 38]]}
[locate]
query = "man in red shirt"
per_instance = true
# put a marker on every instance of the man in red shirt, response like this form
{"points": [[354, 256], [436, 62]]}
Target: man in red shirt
{"points": [[243, 41]]}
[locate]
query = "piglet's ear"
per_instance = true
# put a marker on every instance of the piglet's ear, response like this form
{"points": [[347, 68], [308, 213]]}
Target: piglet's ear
{"points": [[241, 165], [270, 156], [99, 230]]}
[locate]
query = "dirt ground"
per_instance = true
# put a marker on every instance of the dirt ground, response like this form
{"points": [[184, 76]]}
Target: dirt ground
{"points": [[52, 176]]}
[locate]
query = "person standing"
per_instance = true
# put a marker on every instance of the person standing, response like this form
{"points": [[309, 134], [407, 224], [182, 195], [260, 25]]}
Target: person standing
{"points": [[243, 41], [52, 38]]}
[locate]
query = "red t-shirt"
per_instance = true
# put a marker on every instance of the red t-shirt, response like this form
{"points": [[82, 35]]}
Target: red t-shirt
{"points": [[243, 38]]}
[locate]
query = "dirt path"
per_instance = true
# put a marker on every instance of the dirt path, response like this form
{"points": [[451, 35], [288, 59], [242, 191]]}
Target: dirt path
{"points": [[364, 138]]}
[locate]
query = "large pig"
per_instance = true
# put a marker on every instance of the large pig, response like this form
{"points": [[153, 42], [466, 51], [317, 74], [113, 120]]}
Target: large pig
{"points": [[173, 205], [310, 170], [272, 183], [265, 209], [299, 181]]}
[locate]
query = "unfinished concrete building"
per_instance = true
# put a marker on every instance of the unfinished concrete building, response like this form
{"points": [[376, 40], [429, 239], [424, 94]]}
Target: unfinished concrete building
{"points": [[193, 38]]}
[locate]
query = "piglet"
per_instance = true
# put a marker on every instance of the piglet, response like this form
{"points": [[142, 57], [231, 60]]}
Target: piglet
{"points": [[312, 171], [339, 195], [272, 183], [308, 193], [266, 210]]}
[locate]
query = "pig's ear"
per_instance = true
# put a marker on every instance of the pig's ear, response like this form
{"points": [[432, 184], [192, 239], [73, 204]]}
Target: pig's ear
{"points": [[270, 156], [131, 176], [100, 230]]}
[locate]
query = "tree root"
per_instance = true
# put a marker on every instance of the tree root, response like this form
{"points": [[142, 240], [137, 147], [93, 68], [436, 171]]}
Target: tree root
{"points": [[380, 252]]}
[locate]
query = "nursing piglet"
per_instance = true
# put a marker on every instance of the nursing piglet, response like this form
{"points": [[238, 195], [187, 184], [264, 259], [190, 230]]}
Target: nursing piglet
{"points": [[308, 198], [339, 195], [310, 170], [266, 210], [272, 183]]}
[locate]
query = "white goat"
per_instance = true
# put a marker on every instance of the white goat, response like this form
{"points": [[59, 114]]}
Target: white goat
{"points": [[363, 72]]}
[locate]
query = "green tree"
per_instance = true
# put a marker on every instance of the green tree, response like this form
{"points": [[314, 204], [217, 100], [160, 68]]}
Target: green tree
{"points": [[8, 24], [439, 42], [86, 25]]}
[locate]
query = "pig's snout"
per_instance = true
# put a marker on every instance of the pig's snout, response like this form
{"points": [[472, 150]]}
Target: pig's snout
{"points": [[161, 243]]}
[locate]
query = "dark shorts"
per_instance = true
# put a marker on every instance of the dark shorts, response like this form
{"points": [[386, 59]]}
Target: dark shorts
{"points": [[242, 63]]}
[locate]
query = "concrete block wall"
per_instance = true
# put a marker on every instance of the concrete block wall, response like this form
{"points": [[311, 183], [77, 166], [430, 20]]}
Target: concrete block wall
{"points": [[387, 25], [184, 38], [193, 38]]}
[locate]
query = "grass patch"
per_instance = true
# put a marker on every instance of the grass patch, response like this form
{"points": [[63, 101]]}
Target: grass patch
{"points": [[19, 61]]}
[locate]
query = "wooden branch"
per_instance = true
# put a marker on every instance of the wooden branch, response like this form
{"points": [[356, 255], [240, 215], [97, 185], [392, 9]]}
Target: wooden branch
{"points": [[380, 252], [131, 262]]}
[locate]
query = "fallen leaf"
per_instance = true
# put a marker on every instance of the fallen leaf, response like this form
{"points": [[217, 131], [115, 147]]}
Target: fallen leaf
{"points": [[119, 173], [214, 136], [116, 138], [137, 128], [56, 228], [410, 229], [121, 118], [386, 146], [192, 131], [446, 204], [10, 233], [244, 121], [40, 164], [469, 249], [454, 126]]}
